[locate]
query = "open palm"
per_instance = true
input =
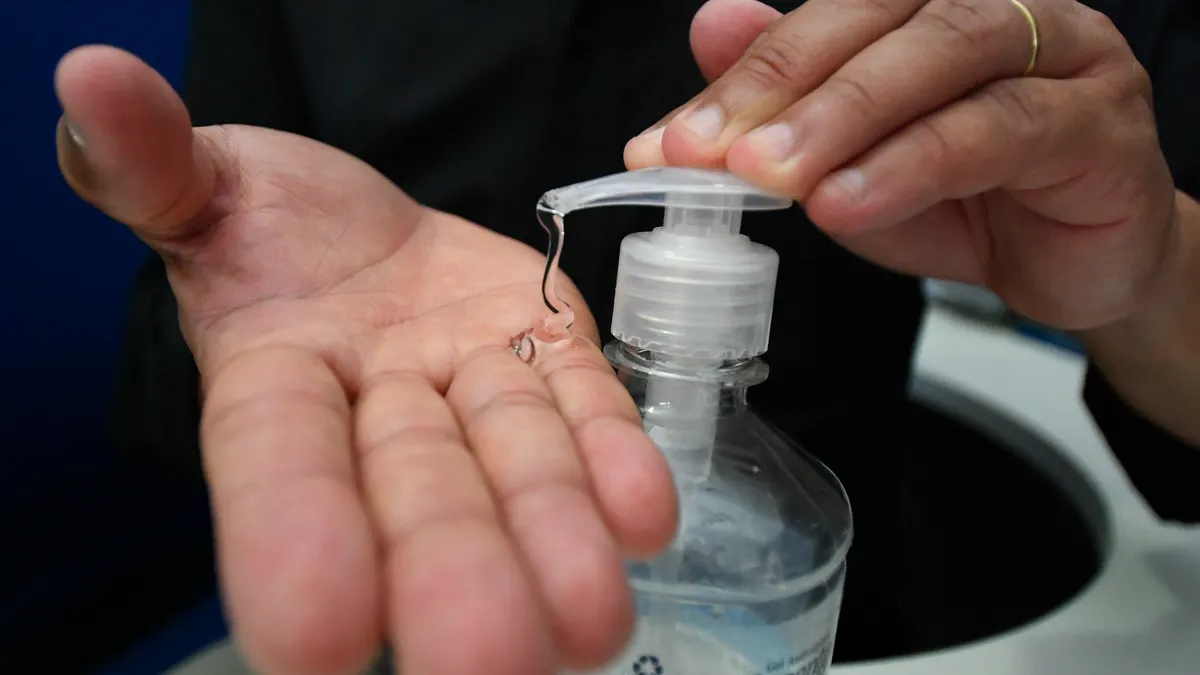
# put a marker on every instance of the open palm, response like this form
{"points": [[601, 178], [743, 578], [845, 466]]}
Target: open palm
{"points": [[382, 467]]}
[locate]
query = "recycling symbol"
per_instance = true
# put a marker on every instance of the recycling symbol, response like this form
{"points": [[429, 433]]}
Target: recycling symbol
{"points": [[648, 665]]}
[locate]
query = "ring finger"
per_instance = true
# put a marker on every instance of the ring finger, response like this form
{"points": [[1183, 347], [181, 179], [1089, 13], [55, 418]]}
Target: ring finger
{"points": [[945, 51]]}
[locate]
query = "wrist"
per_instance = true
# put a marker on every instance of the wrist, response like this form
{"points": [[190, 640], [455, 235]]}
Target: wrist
{"points": [[1151, 357], [1165, 324]]}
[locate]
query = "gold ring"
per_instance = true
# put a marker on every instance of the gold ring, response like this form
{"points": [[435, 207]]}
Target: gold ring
{"points": [[1037, 36]]}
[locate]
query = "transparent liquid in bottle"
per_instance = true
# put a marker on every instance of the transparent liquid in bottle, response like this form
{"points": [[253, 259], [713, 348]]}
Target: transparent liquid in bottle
{"points": [[752, 583]]}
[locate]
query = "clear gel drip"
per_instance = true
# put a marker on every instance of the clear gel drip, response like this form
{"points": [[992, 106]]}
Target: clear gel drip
{"points": [[524, 346], [556, 326]]}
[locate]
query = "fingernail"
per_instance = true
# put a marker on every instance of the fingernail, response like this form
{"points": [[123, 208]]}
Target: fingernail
{"points": [[706, 122], [75, 134], [72, 155], [654, 134], [852, 183], [773, 142]]}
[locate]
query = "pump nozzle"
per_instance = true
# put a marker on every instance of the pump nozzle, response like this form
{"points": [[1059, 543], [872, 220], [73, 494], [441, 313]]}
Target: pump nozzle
{"points": [[703, 189], [695, 288]]}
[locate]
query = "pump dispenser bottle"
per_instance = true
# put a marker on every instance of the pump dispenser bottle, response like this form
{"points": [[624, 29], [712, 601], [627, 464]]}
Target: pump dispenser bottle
{"points": [[752, 583]]}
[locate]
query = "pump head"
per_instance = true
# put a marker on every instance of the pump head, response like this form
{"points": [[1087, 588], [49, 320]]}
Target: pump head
{"points": [[694, 288]]}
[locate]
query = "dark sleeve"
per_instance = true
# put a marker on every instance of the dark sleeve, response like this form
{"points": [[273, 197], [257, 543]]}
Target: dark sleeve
{"points": [[1165, 36], [157, 408], [239, 70], [1164, 469]]}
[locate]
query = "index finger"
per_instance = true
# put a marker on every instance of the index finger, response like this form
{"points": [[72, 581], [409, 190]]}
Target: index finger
{"points": [[794, 56], [296, 553]]}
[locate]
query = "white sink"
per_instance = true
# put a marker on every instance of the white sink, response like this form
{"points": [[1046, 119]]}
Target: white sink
{"points": [[1141, 614]]}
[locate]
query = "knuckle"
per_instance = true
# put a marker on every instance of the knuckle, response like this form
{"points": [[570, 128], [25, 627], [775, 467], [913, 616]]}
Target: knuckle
{"points": [[777, 60], [234, 417], [512, 406], [1097, 23], [510, 401], [965, 20], [1022, 119], [1108, 44], [411, 440], [847, 95], [934, 148], [1116, 61], [883, 8], [1123, 106], [1136, 83]]}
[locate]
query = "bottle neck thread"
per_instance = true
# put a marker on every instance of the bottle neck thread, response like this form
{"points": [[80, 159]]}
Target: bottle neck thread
{"points": [[726, 381]]}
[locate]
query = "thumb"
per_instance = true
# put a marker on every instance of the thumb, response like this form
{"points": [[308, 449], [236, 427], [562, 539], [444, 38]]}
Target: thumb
{"points": [[126, 145], [724, 29]]}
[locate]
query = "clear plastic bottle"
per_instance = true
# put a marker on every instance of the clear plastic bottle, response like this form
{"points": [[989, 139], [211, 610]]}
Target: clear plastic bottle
{"points": [[752, 583]]}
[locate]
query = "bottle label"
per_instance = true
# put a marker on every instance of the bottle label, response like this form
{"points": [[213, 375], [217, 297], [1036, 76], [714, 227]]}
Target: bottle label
{"points": [[814, 661]]}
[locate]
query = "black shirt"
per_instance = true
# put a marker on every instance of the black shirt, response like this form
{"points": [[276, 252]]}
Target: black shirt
{"points": [[476, 107]]}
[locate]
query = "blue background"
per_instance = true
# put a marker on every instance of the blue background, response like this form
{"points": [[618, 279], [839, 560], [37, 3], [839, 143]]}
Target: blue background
{"points": [[73, 514]]}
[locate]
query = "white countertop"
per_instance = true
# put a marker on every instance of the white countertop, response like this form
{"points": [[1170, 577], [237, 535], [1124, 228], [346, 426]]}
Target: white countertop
{"points": [[1141, 615]]}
